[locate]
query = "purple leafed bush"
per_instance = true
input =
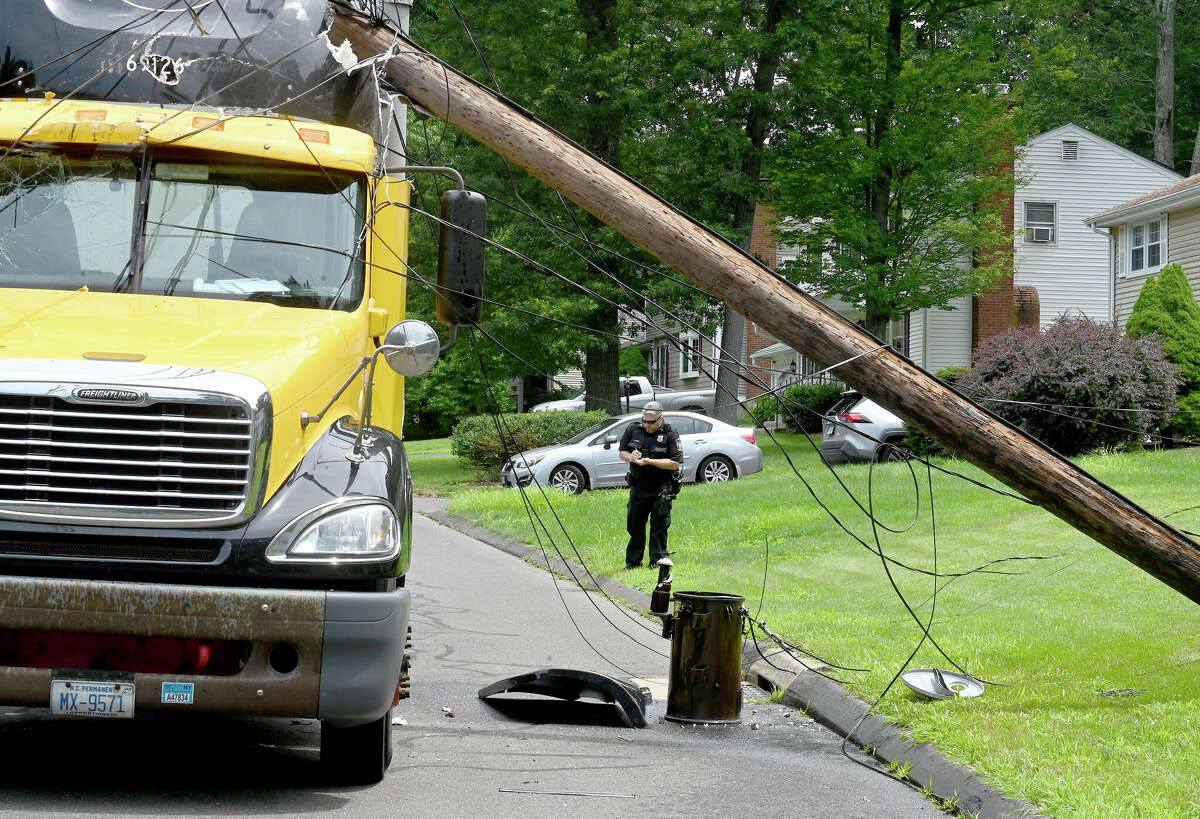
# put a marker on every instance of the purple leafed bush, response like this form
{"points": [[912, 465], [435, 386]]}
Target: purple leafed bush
{"points": [[1078, 380]]}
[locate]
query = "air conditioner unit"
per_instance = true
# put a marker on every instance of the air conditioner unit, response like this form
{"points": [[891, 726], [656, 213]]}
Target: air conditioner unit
{"points": [[1039, 234]]}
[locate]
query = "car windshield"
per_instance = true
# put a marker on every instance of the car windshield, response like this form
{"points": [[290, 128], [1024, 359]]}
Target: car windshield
{"points": [[592, 430], [271, 233]]}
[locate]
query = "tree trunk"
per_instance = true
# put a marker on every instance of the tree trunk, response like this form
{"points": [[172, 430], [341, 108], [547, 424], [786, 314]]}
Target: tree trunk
{"points": [[758, 120], [725, 403], [1164, 85], [602, 136], [601, 368], [880, 191], [1195, 166]]}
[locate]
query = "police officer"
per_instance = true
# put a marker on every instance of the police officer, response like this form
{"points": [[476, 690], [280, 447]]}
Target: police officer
{"points": [[653, 451]]}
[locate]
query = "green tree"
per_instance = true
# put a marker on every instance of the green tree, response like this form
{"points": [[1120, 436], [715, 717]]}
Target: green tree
{"points": [[1106, 66], [633, 362], [721, 104], [1167, 306], [584, 67], [897, 154]]}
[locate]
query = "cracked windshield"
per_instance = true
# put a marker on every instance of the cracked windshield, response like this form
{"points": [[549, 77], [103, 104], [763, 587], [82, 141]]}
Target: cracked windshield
{"points": [[208, 230]]}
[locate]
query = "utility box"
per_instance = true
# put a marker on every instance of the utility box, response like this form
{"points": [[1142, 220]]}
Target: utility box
{"points": [[706, 658]]}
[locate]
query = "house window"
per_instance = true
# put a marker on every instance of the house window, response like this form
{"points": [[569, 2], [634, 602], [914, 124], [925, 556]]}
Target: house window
{"points": [[1070, 150], [689, 355], [660, 363], [1039, 222], [1146, 247]]}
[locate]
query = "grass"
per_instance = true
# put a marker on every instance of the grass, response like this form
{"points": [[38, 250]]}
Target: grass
{"points": [[437, 472], [433, 445], [1099, 709]]}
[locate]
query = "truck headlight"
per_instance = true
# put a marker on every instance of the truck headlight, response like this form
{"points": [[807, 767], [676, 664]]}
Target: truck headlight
{"points": [[348, 529]]}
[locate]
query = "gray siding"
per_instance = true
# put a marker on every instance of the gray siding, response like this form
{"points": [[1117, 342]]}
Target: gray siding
{"points": [[1183, 248]]}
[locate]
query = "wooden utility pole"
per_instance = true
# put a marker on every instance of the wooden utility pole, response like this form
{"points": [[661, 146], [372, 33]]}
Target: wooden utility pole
{"points": [[737, 279]]}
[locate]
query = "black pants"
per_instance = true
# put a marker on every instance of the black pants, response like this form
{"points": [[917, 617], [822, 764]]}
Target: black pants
{"points": [[641, 507]]}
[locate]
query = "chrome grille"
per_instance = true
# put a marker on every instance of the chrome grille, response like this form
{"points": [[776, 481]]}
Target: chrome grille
{"points": [[175, 459]]}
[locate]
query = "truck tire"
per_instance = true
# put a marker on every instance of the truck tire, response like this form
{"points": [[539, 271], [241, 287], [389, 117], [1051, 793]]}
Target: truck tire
{"points": [[568, 479], [357, 755], [697, 410], [715, 469]]}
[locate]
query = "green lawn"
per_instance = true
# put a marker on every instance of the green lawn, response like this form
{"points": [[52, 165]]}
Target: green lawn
{"points": [[1062, 635], [433, 445]]}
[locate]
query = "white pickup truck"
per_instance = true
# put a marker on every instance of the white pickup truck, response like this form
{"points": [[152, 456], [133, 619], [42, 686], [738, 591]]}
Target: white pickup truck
{"points": [[635, 391]]}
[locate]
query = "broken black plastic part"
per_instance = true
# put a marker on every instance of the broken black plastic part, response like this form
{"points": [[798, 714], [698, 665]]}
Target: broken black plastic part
{"points": [[571, 684]]}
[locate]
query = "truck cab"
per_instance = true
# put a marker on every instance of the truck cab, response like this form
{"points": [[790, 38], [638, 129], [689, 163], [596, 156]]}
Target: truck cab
{"points": [[205, 502]]}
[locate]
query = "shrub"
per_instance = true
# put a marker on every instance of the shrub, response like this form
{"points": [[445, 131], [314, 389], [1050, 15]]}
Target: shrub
{"points": [[951, 374], [801, 405], [918, 441], [1076, 377], [1166, 306], [1187, 423], [476, 443]]}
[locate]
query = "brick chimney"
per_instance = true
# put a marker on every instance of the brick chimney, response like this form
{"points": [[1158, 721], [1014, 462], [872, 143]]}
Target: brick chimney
{"points": [[993, 311]]}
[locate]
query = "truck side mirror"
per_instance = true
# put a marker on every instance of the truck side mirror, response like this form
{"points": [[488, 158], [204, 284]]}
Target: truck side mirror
{"points": [[461, 257], [416, 348]]}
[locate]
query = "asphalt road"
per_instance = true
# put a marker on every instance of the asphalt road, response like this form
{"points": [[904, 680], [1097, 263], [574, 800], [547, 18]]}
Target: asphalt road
{"points": [[479, 615]]}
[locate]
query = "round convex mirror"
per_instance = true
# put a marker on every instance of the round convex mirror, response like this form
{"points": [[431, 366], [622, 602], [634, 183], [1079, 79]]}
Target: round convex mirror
{"points": [[415, 348]]}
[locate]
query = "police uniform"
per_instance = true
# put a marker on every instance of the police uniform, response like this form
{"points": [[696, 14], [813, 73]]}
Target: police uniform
{"points": [[645, 486]]}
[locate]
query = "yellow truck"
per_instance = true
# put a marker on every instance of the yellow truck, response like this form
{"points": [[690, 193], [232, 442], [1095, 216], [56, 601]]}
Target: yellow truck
{"points": [[205, 504]]}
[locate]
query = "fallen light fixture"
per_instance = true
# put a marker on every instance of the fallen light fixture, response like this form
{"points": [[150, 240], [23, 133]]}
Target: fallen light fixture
{"points": [[941, 685]]}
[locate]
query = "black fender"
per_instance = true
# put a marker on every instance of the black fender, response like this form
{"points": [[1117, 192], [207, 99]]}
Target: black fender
{"points": [[327, 474]]}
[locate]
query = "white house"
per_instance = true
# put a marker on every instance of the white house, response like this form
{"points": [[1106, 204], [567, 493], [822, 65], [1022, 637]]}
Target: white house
{"points": [[1062, 178], [1066, 176]]}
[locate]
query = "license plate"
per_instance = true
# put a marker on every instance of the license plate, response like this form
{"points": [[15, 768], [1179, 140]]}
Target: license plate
{"points": [[829, 430], [92, 698]]}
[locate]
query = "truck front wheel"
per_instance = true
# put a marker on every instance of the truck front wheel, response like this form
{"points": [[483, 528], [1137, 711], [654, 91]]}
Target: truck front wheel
{"points": [[357, 755]]}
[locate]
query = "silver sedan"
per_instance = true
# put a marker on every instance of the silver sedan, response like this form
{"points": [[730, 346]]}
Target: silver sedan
{"points": [[713, 452]]}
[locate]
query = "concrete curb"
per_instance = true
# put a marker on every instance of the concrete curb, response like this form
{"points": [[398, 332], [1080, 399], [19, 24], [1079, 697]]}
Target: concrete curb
{"points": [[832, 706], [824, 700]]}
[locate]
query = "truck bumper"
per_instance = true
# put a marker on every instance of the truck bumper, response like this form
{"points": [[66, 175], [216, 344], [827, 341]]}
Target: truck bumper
{"points": [[348, 646]]}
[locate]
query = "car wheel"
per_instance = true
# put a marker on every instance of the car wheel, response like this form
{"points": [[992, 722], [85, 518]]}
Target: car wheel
{"points": [[716, 469], [568, 479], [357, 755], [892, 451]]}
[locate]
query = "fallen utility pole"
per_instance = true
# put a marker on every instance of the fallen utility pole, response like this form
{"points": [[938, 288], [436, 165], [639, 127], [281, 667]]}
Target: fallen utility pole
{"points": [[724, 270]]}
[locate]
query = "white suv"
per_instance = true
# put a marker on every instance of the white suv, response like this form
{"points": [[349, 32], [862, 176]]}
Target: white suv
{"points": [[858, 429]]}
